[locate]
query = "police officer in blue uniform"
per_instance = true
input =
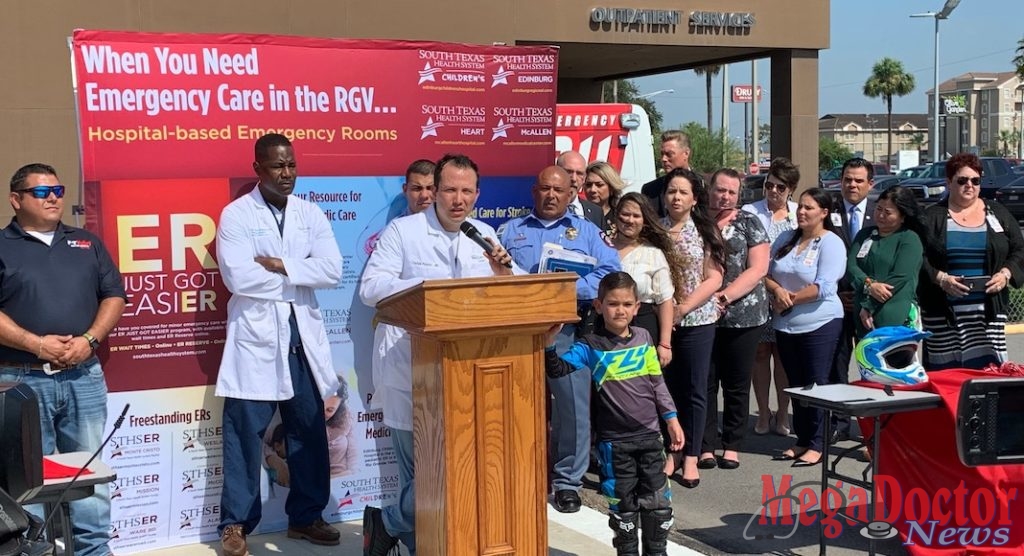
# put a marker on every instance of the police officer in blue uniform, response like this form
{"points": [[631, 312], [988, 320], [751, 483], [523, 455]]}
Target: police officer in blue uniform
{"points": [[524, 238]]}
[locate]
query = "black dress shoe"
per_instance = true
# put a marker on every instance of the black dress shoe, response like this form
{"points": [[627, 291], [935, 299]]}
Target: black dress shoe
{"points": [[724, 463], [806, 463], [787, 457], [567, 501], [689, 483], [707, 463], [838, 436]]}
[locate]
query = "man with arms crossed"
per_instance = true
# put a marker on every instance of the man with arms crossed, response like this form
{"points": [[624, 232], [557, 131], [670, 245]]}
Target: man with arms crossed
{"points": [[425, 246], [274, 250], [60, 296]]}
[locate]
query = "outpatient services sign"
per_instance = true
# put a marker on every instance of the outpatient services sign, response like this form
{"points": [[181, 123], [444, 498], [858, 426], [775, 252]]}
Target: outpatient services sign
{"points": [[167, 126]]}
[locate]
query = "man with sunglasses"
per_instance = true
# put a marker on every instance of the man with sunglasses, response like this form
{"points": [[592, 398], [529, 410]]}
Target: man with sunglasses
{"points": [[60, 295], [852, 213]]}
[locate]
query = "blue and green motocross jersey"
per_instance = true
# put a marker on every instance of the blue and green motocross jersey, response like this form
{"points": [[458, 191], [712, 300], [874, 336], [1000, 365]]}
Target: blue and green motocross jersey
{"points": [[629, 392]]}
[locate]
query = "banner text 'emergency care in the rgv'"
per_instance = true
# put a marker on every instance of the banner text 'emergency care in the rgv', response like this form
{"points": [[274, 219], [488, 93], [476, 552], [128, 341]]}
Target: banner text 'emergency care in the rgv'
{"points": [[354, 105], [168, 122]]}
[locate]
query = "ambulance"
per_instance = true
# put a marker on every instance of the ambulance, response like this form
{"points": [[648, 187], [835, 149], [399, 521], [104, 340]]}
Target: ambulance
{"points": [[619, 134]]}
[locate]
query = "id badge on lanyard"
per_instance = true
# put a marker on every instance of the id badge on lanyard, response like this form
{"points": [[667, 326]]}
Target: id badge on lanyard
{"points": [[812, 253]]}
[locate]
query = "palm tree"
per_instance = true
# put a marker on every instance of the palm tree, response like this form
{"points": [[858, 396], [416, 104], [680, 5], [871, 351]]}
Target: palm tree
{"points": [[1018, 60], [708, 72], [1008, 139], [888, 79], [917, 140]]}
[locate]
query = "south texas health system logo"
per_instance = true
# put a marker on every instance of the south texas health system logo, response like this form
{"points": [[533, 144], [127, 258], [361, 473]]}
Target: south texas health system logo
{"points": [[947, 517]]}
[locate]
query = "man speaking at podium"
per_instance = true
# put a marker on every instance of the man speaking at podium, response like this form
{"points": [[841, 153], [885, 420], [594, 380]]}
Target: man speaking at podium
{"points": [[424, 246]]}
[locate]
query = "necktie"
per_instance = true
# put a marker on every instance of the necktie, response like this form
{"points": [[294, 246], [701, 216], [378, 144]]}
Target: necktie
{"points": [[574, 209], [854, 222]]}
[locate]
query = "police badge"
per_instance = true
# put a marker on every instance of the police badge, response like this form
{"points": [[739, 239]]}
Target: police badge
{"points": [[571, 233]]}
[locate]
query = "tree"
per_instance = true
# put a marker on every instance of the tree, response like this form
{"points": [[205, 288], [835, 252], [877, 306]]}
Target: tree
{"points": [[917, 140], [708, 72], [1018, 60], [888, 79], [832, 153], [1008, 140], [764, 136], [629, 94], [708, 149]]}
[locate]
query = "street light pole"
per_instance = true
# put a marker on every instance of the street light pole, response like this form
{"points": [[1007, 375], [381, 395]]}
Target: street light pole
{"points": [[1020, 143], [871, 121], [942, 14]]}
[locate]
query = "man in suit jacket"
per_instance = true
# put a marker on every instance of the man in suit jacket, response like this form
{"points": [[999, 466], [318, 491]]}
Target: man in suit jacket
{"points": [[576, 166], [675, 153], [851, 213]]}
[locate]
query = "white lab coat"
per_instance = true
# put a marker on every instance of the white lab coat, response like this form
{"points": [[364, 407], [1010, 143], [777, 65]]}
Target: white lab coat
{"points": [[410, 250], [255, 361]]}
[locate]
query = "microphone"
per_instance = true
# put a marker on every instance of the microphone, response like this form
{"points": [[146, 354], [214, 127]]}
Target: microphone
{"points": [[67, 487], [474, 234]]}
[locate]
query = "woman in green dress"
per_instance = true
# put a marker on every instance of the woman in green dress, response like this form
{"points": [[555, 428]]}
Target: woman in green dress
{"points": [[884, 263]]}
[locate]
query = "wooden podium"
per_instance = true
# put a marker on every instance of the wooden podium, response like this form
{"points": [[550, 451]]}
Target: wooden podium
{"points": [[478, 408]]}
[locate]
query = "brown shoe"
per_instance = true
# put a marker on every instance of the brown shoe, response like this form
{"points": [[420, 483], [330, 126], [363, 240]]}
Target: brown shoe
{"points": [[232, 541], [318, 532]]}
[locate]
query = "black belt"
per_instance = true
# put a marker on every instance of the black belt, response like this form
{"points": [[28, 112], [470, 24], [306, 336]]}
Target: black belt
{"points": [[45, 367]]}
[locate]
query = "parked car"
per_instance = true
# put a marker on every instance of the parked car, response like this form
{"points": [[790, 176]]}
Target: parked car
{"points": [[1012, 197], [1018, 169], [930, 185], [831, 178], [753, 188], [996, 173], [834, 177], [881, 184], [912, 172], [882, 169]]}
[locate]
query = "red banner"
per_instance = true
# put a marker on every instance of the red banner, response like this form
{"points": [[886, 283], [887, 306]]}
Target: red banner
{"points": [[168, 122], [353, 106]]}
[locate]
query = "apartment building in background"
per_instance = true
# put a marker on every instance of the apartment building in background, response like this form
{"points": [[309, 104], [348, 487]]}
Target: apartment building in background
{"points": [[979, 112], [867, 134]]}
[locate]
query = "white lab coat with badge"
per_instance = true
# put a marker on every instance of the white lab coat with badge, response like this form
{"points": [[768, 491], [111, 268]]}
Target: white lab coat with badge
{"points": [[255, 361], [410, 250]]}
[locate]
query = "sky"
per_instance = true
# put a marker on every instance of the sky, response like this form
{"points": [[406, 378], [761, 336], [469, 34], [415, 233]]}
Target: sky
{"points": [[980, 35]]}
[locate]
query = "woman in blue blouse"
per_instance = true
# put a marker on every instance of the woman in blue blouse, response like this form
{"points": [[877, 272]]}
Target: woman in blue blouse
{"points": [[806, 265]]}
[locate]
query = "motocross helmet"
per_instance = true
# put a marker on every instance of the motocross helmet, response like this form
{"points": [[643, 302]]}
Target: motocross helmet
{"points": [[888, 355]]}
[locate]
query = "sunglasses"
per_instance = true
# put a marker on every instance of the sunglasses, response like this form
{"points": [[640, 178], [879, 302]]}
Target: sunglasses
{"points": [[771, 186], [962, 180], [43, 191]]}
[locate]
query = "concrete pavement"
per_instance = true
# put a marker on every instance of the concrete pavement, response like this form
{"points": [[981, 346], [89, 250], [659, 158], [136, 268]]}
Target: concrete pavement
{"points": [[711, 519], [585, 533]]}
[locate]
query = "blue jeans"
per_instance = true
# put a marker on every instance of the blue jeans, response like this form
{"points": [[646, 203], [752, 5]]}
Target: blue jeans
{"points": [[73, 414], [400, 519], [570, 421], [246, 421], [808, 359]]}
